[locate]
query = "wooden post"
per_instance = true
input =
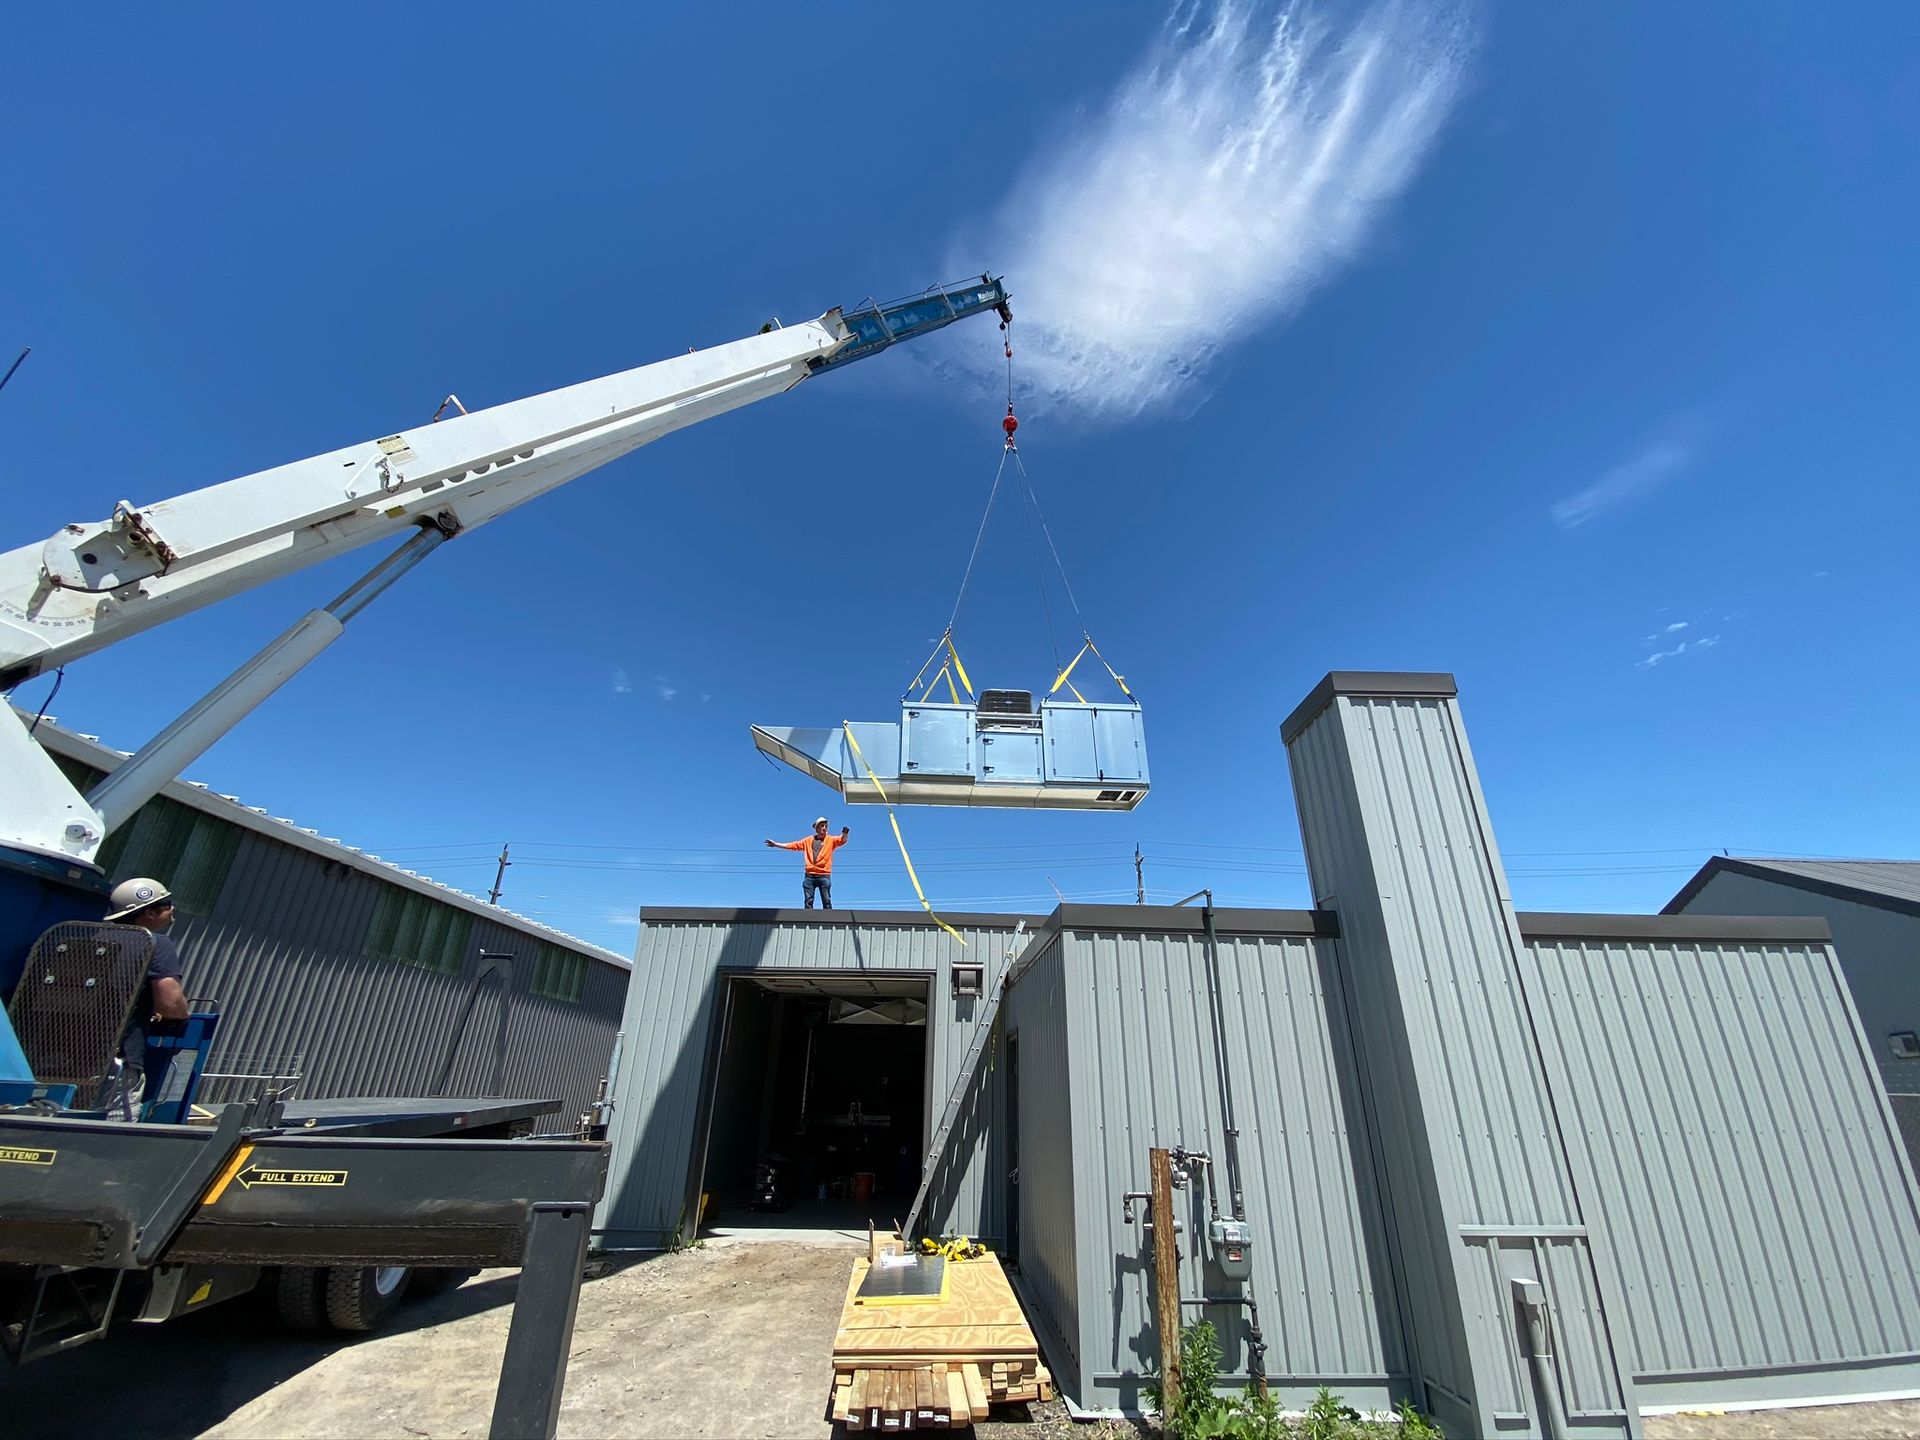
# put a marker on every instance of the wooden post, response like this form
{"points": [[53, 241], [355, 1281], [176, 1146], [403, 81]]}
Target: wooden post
{"points": [[1166, 1279]]}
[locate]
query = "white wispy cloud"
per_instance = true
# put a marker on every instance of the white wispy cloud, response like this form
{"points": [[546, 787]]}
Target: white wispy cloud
{"points": [[622, 682], [1685, 647], [1647, 471], [1247, 157], [664, 687]]}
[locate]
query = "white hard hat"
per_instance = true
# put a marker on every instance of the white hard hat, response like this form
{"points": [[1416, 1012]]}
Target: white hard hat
{"points": [[819, 819], [132, 896]]}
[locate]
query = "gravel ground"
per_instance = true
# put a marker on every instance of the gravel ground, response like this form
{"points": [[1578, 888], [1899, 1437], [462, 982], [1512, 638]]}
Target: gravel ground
{"points": [[728, 1340]]}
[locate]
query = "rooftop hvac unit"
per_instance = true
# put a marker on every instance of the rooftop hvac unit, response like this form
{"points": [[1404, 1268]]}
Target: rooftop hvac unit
{"points": [[1072, 755]]}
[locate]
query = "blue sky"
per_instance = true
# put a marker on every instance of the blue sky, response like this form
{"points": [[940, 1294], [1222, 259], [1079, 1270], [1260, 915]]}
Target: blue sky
{"points": [[1567, 349]]}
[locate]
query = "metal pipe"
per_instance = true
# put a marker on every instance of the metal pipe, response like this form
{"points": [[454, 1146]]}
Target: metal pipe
{"points": [[1531, 1297], [1256, 1342], [1220, 1061]]}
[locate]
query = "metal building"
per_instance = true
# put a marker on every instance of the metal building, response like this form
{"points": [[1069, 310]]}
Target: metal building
{"points": [[1873, 909], [732, 1021], [1661, 1140], [364, 978]]}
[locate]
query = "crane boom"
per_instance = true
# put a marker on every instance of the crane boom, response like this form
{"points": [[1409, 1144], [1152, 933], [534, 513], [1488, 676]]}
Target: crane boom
{"points": [[93, 584]]}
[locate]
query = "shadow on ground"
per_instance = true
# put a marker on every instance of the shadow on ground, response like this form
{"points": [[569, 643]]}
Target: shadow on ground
{"points": [[185, 1377]]}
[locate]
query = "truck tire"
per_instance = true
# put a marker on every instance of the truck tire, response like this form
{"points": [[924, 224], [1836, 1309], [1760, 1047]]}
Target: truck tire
{"points": [[360, 1298], [298, 1295]]}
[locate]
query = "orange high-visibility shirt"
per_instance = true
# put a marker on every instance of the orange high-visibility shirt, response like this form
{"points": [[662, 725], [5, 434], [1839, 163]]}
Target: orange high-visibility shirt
{"points": [[818, 850]]}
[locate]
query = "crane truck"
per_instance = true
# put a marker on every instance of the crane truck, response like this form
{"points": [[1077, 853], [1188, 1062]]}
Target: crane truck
{"points": [[162, 1217]]}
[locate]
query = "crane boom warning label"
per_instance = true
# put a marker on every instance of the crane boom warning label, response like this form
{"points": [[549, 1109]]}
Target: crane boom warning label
{"points": [[13, 1155], [251, 1177]]}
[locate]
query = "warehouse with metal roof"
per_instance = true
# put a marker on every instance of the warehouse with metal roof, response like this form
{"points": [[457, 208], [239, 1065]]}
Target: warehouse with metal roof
{"points": [[337, 973]]}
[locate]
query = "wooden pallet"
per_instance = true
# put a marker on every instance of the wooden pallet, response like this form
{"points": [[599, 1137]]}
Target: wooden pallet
{"points": [[935, 1366]]}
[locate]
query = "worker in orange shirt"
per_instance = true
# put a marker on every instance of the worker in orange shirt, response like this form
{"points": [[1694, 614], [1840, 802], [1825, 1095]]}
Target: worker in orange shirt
{"points": [[818, 849]]}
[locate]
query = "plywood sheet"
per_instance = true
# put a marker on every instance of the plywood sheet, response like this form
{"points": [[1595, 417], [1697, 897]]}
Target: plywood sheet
{"points": [[978, 1314]]}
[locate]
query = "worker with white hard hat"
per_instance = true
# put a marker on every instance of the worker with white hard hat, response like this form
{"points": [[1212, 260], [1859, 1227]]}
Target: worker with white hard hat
{"points": [[818, 849], [161, 1006]]}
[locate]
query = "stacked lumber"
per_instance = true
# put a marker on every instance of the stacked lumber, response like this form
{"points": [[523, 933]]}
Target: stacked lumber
{"points": [[933, 1397], [935, 1366]]}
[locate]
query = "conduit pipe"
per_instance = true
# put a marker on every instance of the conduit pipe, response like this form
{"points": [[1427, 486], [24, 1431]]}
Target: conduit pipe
{"points": [[1531, 1297]]}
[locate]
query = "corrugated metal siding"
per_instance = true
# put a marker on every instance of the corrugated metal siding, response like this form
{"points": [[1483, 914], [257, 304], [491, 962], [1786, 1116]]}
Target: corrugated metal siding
{"points": [[1142, 1055], [1457, 938], [669, 1021], [1877, 948], [1764, 1215], [282, 953], [1391, 809], [1336, 845], [1049, 1273]]}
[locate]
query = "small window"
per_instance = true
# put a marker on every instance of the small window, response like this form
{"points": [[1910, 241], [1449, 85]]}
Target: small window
{"points": [[413, 929], [1905, 1045], [560, 974]]}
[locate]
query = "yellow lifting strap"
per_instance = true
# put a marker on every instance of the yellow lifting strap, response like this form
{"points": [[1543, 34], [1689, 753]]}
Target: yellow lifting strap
{"points": [[1118, 679], [898, 839], [948, 669]]}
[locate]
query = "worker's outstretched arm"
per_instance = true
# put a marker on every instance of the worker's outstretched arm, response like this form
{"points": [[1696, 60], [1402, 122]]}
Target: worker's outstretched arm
{"points": [[787, 844]]}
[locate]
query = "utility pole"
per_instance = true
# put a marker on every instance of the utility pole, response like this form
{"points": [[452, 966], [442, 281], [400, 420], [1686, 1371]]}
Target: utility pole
{"points": [[1166, 1279], [493, 896], [1139, 878]]}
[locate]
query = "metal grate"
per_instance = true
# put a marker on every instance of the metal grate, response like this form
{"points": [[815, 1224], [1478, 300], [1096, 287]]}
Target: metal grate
{"points": [[75, 995]]}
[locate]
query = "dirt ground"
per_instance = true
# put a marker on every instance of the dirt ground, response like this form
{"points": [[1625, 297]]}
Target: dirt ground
{"points": [[728, 1340]]}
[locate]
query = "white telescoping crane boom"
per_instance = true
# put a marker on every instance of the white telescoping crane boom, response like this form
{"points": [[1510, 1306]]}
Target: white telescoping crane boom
{"points": [[94, 584]]}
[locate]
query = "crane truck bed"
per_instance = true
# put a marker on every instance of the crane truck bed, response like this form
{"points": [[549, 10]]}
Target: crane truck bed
{"points": [[152, 1221]]}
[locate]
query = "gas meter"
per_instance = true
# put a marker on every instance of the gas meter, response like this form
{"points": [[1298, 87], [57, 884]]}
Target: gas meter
{"points": [[1232, 1246]]}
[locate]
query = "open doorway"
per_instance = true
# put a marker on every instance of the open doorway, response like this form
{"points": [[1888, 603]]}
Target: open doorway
{"points": [[818, 1102]]}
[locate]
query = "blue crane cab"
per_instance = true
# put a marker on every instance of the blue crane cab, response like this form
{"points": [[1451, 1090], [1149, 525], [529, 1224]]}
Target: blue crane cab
{"points": [[1001, 750]]}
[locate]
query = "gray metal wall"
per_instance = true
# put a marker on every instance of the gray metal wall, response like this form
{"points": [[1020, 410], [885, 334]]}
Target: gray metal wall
{"points": [[1142, 1064], [1482, 1187], [282, 953], [1046, 1250], [670, 1024], [282, 948], [1879, 952], [1764, 1213]]}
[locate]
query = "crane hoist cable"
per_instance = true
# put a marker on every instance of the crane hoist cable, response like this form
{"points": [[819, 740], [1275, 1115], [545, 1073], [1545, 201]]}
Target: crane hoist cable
{"points": [[951, 668]]}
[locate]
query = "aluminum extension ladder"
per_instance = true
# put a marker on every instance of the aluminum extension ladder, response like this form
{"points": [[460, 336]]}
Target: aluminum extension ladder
{"points": [[969, 1068]]}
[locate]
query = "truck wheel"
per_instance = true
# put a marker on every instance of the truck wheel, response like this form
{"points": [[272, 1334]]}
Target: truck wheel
{"points": [[299, 1296], [361, 1298]]}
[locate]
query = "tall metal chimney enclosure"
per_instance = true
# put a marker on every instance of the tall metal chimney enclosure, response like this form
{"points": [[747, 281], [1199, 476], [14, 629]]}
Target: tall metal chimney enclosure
{"points": [[1480, 1183]]}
